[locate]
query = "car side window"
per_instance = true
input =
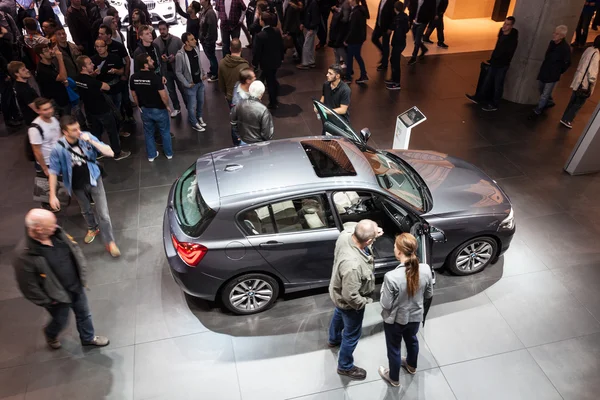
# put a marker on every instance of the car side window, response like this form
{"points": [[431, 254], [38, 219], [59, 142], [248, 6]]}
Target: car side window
{"points": [[295, 215]]}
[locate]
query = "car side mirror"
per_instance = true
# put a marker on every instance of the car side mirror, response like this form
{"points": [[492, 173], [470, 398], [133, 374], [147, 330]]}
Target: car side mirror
{"points": [[437, 235], [365, 133]]}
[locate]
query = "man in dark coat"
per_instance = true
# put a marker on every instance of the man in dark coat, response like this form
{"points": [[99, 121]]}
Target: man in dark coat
{"points": [[356, 36], [421, 12], [437, 24], [383, 30], [556, 62], [51, 272], [80, 27], [490, 91], [268, 53]]}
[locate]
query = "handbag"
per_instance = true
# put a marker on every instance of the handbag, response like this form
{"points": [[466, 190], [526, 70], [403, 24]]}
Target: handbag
{"points": [[103, 173], [581, 92], [41, 190]]}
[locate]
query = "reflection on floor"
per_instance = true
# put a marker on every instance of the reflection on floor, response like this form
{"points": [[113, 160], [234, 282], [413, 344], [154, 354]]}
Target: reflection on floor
{"points": [[526, 328]]}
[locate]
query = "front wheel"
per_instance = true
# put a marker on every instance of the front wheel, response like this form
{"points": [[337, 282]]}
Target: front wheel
{"points": [[472, 256], [250, 294]]}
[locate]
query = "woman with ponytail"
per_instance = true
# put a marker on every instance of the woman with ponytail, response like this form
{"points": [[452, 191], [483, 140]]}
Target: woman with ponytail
{"points": [[402, 296]]}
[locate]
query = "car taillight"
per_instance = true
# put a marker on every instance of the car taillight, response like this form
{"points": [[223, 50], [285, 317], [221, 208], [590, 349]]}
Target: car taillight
{"points": [[190, 253]]}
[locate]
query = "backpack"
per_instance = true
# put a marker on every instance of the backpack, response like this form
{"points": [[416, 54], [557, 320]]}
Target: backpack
{"points": [[28, 149]]}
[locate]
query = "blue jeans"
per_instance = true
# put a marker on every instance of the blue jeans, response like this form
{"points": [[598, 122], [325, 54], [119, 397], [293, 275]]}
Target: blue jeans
{"points": [[545, 96], [195, 102], [346, 328], [353, 51], [394, 333], [60, 317], [493, 83], [105, 122], [235, 137], [101, 219], [575, 104], [153, 118]]}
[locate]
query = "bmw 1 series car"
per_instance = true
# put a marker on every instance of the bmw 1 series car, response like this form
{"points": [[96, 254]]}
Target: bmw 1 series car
{"points": [[244, 225]]}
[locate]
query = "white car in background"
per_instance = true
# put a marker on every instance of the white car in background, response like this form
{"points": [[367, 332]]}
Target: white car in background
{"points": [[160, 10]]}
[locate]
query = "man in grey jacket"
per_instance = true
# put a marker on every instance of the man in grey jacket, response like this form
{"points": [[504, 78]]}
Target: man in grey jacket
{"points": [[189, 72], [168, 46], [50, 270], [252, 118], [352, 283]]}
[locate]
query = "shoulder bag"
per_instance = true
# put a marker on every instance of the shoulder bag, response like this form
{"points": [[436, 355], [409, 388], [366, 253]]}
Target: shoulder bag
{"points": [[103, 173], [581, 92]]}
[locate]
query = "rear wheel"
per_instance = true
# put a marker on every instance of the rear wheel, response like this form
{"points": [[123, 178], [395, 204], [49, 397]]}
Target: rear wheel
{"points": [[472, 256], [250, 293]]}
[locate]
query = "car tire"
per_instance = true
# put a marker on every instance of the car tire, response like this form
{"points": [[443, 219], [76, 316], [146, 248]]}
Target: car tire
{"points": [[250, 293], [472, 256]]}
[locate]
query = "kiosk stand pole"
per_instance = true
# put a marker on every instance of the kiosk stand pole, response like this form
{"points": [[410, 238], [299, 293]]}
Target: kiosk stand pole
{"points": [[404, 124]]}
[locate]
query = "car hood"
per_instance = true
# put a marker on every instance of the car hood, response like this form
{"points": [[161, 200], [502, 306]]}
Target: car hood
{"points": [[458, 187]]}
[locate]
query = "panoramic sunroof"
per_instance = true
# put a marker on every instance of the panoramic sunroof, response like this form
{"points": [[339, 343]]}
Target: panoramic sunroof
{"points": [[328, 158]]}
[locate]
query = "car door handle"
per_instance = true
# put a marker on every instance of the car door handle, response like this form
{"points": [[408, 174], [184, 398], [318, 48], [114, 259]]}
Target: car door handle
{"points": [[269, 244]]}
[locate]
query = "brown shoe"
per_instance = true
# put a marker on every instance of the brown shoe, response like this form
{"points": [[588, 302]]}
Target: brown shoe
{"points": [[54, 344], [90, 236], [98, 341], [407, 367], [354, 373], [302, 66]]}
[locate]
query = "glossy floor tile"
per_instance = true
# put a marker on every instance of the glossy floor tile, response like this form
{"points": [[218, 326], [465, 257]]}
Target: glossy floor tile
{"points": [[525, 328]]}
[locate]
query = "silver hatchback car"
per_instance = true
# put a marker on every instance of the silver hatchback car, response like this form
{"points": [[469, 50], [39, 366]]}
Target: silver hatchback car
{"points": [[244, 225]]}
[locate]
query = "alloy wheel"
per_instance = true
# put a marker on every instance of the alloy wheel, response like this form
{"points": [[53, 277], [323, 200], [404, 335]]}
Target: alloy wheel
{"points": [[251, 295], [474, 257]]}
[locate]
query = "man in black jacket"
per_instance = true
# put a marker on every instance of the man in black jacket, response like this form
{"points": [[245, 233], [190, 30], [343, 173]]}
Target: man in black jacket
{"points": [[51, 272], [80, 27], [493, 84], [357, 34], [556, 62], [312, 19], [268, 53], [422, 12], [437, 23], [383, 30]]}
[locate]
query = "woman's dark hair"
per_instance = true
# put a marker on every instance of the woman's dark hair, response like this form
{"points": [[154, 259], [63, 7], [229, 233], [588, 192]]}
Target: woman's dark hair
{"points": [[399, 6], [597, 42], [196, 6], [407, 245], [143, 20]]}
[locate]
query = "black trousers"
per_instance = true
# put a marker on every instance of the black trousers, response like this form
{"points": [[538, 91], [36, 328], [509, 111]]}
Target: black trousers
{"points": [[269, 76], [383, 45], [322, 31], [436, 24], [8, 101], [395, 61]]}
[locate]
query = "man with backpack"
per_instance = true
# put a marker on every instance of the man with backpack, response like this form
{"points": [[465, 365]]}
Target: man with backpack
{"points": [[43, 134]]}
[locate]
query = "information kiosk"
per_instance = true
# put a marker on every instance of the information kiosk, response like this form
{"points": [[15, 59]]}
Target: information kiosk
{"points": [[404, 124]]}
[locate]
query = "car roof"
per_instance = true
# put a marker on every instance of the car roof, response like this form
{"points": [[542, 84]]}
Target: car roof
{"points": [[283, 166]]}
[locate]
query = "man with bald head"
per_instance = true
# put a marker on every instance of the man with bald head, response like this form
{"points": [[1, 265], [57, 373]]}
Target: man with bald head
{"points": [[50, 270], [352, 283]]}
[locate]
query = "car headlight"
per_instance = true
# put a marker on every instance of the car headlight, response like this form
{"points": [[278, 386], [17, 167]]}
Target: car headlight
{"points": [[508, 223]]}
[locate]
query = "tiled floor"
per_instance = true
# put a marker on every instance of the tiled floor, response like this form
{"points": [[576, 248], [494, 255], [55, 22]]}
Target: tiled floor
{"points": [[526, 328]]}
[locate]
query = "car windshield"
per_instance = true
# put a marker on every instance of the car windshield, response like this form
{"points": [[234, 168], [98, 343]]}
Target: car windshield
{"points": [[394, 178]]}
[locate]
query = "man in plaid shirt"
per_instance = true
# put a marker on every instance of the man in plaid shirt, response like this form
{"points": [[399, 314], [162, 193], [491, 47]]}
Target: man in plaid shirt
{"points": [[231, 13]]}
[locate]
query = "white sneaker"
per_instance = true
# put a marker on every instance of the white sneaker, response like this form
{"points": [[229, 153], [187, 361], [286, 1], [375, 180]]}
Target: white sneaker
{"points": [[153, 158], [175, 113], [169, 157], [198, 128], [201, 122]]}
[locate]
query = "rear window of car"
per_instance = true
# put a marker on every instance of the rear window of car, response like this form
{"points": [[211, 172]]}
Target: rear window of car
{"points": [[192, 211]]}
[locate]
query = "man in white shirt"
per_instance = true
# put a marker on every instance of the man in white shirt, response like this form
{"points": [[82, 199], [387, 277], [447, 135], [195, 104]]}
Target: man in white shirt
{"points": [[44, 133]]}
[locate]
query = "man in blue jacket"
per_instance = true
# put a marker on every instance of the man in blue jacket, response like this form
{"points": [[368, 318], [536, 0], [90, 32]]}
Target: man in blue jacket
{"points": [[74, 157]]}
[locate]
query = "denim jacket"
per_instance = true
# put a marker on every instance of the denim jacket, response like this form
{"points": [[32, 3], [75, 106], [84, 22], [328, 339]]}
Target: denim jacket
{"points": [[60, 161]]}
